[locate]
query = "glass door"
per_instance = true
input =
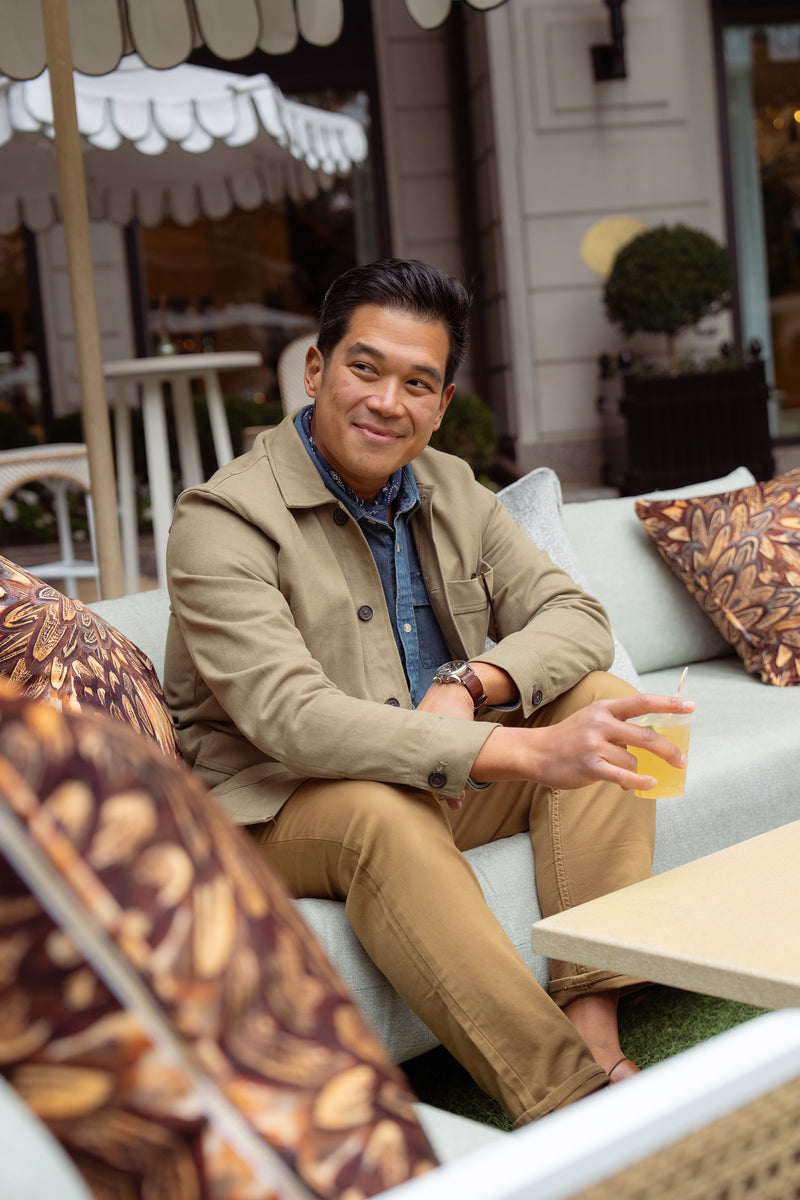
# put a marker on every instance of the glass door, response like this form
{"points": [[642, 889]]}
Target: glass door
{"points": [[762, 79]]}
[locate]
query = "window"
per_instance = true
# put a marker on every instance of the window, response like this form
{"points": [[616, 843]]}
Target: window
{"points": [[762, 80]]}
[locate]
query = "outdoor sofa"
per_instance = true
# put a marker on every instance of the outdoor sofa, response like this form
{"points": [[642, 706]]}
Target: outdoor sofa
{"points": [[744, 757]]}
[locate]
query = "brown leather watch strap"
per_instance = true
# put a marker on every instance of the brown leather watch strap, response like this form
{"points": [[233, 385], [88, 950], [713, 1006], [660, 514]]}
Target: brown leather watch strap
{"points": [[474, 686], [462, 672]]}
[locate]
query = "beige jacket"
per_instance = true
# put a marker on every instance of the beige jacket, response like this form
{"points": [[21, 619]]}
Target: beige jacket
{"points": [[281, 662]]}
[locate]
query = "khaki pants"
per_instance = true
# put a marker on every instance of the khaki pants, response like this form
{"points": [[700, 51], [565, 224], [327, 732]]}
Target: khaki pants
{"points": [[394, 856]]}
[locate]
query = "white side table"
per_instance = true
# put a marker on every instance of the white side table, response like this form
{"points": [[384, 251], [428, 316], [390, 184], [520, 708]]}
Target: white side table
{"points": [[58, 466], [151, 375]]}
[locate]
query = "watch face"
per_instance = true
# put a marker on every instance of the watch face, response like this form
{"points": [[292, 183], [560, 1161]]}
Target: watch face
{"points": [[454, 668]]}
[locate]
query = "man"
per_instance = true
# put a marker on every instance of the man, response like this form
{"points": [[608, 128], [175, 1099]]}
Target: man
{"points": [[320, 585]]}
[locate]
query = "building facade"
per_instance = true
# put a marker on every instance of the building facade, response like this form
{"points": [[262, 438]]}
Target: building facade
{"points": [[497, 155]]}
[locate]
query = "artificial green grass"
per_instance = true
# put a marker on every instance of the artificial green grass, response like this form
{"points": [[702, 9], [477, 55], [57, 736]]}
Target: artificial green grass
{"points": [[659, 1022], [654, 1024]]}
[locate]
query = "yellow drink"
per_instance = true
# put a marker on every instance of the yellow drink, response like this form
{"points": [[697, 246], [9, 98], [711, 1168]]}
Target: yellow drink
{"points": [[670, 781]]}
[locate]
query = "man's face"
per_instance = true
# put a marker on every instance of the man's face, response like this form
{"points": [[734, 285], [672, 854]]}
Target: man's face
{"points": [[378, 395]]}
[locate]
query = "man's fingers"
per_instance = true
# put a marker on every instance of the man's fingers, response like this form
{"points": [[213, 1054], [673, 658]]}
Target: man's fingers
{"points": [[622, 770], [646, 702], [624, 774], [450, 801], [648, 739]]}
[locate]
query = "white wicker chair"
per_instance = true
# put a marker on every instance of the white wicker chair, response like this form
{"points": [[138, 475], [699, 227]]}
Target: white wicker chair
{"points": [[58, 467]]}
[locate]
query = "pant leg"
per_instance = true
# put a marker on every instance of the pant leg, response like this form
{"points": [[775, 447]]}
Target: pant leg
{"points": [[417, 908], [586, 842]]}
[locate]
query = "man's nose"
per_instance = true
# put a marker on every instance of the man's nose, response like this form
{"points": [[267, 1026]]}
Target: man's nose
{"points": [[387, 395]]}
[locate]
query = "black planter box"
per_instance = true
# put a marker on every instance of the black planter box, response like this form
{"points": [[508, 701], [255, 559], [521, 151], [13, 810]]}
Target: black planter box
{"points": [[666, 431]]}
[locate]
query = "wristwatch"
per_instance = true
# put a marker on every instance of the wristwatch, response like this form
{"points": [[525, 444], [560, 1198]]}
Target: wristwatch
{"points": [[462, 672]]}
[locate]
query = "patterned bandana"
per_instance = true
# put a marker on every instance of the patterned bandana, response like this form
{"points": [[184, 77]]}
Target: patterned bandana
{"points": [[377, 509]]}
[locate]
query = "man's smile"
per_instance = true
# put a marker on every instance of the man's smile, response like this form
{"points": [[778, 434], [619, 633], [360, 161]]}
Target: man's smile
{"points": [[375, 432]]}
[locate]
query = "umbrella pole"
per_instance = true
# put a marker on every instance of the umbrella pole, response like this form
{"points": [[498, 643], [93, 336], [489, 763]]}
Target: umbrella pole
{"points": [[72, 185]]}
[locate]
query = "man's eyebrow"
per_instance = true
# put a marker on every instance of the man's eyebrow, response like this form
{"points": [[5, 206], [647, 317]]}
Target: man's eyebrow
{"points": [[365, 348], [373, 352]]}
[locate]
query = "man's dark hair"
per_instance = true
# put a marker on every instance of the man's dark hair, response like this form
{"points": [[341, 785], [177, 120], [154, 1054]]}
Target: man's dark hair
{"points": [[404, 284]]}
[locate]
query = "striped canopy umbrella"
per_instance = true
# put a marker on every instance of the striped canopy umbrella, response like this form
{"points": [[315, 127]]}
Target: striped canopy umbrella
{"points": [[164, 32], [212, 141]]}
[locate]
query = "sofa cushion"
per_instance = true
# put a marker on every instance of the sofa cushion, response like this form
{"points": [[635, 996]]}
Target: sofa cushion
{"points": [[535, 503], [56, 649], [738, 555], [653, 615], [743, 762], [190, 1020]]}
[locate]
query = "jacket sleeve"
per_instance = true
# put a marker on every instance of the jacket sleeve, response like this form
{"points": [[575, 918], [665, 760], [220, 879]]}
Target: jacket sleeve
{"points": [[252, 672]]}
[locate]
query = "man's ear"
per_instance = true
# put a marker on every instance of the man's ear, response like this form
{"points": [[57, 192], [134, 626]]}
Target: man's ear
{"points": [[312, 375], [447, 396]]}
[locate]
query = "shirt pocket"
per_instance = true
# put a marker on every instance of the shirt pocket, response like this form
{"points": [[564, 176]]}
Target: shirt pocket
{"points": [[432, 647]]}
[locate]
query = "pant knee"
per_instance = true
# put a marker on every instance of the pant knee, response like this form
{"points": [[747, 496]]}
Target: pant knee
{"points": [[599, 685], [346, 826]]}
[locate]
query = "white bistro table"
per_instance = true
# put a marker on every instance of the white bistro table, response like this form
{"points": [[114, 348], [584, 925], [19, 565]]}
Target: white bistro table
{"points": [[151, 375]]}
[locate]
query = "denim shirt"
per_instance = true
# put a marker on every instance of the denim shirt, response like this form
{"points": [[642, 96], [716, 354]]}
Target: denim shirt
{"points": [[416, 631]]}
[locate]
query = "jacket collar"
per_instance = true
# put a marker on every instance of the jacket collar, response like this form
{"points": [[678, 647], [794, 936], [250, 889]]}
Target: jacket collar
{"points": [[298, 479]]}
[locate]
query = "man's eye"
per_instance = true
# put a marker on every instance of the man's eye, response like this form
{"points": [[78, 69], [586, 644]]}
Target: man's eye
{"points": [[419, 384], [362, 366]]}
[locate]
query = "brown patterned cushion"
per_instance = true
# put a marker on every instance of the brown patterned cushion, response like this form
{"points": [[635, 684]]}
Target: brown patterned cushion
{"points": [[739, 555], [56, 649], [198, 922]]}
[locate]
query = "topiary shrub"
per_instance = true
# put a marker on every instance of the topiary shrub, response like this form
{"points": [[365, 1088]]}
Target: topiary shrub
{"points": [[667, 280], [468, 431]]}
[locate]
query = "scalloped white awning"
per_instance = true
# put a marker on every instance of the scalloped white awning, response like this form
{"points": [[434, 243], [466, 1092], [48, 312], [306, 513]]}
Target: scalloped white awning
{"points": [[213, 140], [164, 32]]}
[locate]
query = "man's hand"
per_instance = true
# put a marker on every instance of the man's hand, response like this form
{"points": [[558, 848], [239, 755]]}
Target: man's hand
{"points": [[584, 748]]}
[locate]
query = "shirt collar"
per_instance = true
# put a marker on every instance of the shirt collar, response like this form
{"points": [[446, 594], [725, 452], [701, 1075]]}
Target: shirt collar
{"points": [[400, 490]]}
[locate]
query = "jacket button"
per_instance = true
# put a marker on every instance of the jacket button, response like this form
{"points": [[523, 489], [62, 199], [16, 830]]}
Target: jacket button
{"points": [[437, 779], [365, 613], [340, 517], [537, 698], [395, 703]]}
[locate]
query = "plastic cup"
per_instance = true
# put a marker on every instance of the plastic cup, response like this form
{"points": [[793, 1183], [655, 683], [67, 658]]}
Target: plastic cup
{"points": [[670, 781]]}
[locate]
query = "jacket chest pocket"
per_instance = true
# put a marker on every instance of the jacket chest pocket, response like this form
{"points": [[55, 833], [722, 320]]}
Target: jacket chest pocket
{"points": [[470, 604]]}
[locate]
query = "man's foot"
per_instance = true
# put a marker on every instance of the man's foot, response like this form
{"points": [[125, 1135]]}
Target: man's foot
{"points": [[595, 1018], [623, 1068]]}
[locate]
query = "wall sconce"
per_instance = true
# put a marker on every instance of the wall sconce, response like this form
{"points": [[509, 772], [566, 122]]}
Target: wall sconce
{"points": [[609, 60]]}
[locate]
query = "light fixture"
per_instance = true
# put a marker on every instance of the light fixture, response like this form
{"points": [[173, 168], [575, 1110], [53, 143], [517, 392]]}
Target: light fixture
{"points": [[608, 59]]}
